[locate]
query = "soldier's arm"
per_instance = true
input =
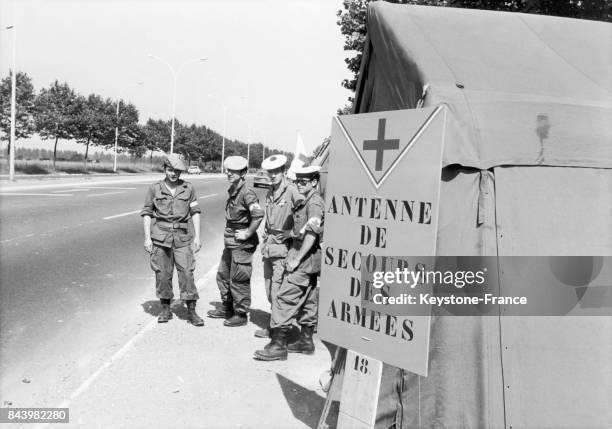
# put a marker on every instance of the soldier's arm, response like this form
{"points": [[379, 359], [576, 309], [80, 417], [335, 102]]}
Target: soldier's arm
{"points": [[147, 213], [309, 240], [148, 244], [197, 243], [195, 211], [257, 213], [311, 230]]}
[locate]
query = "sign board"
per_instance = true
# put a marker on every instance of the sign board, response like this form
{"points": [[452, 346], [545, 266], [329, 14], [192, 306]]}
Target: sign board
{"points": [[381, 197], [360, 390]]}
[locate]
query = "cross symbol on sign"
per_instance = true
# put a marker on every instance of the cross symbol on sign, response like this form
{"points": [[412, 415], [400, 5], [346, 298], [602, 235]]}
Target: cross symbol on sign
{"points": [[380, 145]]}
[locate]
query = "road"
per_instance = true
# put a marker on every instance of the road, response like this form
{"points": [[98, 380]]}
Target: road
{"points": [[75, 281]]}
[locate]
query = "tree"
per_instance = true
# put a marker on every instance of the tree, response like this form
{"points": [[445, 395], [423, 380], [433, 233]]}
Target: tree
{"points": [[127, 127], [95, 117], [352, 21], [256, 154], [57, 108], [154, 136], [598, 10], [24, 107]]}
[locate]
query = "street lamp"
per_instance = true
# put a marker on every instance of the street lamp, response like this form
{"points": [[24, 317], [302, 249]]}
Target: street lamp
{"points": [[244, 100], [222, 134], [223, 138], [249, 147], [13, 100], [117, 131], [242, 118], [174, 79]]}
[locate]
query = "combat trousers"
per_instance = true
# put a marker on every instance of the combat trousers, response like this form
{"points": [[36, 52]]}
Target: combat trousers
{"points": [[274, 270], [297, 299], [163, 261], [234, 279]]}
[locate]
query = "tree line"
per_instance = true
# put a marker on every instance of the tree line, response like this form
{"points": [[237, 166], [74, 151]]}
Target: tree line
{"points": [[58, 113]]}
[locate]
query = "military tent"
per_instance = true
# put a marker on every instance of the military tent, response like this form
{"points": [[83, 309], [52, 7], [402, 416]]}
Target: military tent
{"points": [[527, 171]]}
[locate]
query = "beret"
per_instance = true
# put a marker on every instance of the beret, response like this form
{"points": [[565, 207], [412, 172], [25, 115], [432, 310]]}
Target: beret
{"points": [[175, 161], [235, 163], [273, 162], [307, 172]]}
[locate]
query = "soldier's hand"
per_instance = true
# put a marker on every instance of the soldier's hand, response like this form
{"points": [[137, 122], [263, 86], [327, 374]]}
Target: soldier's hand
{"points": [[148, 245], [285, 235], [197, 245], [241, 235], [292, 263]]}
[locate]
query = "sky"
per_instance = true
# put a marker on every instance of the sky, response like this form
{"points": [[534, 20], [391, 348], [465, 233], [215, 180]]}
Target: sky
{"points": [[274, 66]]}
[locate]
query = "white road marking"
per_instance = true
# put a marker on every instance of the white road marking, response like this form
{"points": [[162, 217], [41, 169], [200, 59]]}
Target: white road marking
{"points": [[110, 187], [138, 211], [123, 350], [207, 196], [150, 178], [121, 214], [70, 190], [104, 193], [17, 238], [34, 195]]}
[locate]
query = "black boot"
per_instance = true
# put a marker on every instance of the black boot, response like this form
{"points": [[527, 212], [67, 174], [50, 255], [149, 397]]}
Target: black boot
{"points": [[192, 316], [304, 343], [262, 333], [224, 312], [238, 319], [166, 313], [277, 348]]}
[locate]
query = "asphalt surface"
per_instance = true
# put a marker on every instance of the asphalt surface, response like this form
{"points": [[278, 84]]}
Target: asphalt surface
{"points": [[75, 279]]}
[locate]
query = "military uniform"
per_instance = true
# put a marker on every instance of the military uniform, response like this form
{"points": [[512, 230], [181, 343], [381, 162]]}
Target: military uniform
{"points": [[279, 209], [297, 299], [172, 235], [169, 206], [235, 267], [297, 296]]}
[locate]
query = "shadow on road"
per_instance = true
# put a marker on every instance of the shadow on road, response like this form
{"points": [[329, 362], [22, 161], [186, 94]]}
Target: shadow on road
{"points": [[306, 405], [260, 318], [153, 308], [216, 304]]}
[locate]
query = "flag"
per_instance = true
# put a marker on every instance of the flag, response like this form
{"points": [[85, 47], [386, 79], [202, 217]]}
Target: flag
{"points": [[299, 157]]}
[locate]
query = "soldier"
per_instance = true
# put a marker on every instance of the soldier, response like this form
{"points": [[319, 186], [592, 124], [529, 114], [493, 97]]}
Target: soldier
{"points": [[242, 218], [297, 297], [281, 199], [169, 238]]}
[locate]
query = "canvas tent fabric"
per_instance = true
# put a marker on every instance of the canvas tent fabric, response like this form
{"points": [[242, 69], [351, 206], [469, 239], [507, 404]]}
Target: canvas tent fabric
{"points": [[514, 82], [527, 171]]}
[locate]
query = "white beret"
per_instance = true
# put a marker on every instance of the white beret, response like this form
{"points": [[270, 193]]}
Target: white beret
{"points": [[235, 163], [273, 162], [307, 172]]}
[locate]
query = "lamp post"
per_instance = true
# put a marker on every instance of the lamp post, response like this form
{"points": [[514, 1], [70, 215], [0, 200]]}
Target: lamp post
{"points": [[13, 100], [249, 148], [223, 138], [117, 131], [174, 79], [225, 109]]}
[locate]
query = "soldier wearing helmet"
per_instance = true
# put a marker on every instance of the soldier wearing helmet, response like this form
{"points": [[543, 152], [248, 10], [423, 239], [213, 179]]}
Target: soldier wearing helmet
{"points": [[243, 215], [171, 238]]}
